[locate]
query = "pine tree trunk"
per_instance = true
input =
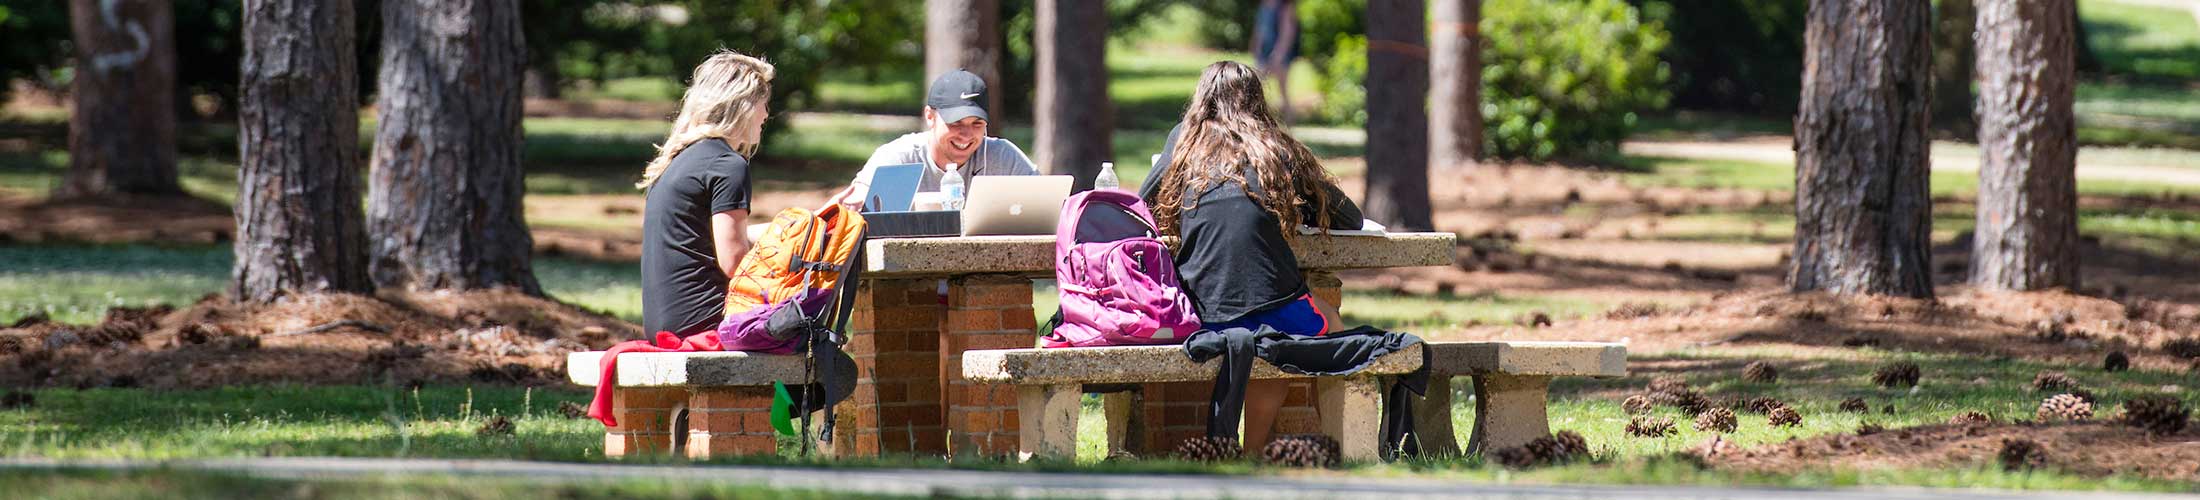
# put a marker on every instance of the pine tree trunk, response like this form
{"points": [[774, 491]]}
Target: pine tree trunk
{"points": [[1397, 118], [122, 129], [444, 204], [1952, 56], [1863, 218], [2027, 235], [965, 34], [1074, 116], [299, 228], [1455, 85]]}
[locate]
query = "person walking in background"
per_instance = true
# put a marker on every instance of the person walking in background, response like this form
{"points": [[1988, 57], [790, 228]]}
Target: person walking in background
{"points": [[697, 192], [1275, 45], [1235, 191]]}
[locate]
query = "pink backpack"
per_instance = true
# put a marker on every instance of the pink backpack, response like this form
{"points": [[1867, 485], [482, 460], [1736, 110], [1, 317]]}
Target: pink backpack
{"points": [[1118, 282]]}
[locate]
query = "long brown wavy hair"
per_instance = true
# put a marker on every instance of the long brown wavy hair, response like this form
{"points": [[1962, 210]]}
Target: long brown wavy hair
{"points": [[1229, 131]]}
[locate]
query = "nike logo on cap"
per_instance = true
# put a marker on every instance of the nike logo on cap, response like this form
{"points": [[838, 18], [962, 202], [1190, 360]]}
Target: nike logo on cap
{"points": [[969, 95]]}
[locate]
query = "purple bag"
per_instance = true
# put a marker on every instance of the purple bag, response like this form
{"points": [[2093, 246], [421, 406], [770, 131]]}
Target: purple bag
{"points": [[1118, 281], [772, 328]]}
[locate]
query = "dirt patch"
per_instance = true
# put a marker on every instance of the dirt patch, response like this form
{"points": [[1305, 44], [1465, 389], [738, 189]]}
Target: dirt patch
{"points": [[114, 219], [2095, 448], [1964, 321], [488, 336]]}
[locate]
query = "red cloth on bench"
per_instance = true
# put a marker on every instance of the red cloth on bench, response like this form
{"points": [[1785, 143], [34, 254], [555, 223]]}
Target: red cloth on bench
{"points": [[600, 407]]}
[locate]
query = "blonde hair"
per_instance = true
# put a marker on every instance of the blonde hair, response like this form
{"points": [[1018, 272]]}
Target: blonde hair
{"points": [[721, 101]]}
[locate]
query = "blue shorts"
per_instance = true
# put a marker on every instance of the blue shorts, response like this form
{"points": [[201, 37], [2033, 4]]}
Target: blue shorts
{"points": [[1297, 317]]}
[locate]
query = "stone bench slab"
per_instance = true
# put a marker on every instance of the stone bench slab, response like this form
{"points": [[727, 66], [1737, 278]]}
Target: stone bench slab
{"points": [[687, 369], [1562, 359], [911, 257], [1130, 364]]}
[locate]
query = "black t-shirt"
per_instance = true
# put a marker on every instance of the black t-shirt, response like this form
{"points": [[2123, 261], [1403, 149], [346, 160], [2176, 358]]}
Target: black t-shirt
{"points": [[1234, 257], [682, 289]]}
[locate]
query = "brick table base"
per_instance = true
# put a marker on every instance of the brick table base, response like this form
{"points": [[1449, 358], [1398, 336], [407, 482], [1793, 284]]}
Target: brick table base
{"points": [[707, 422]]}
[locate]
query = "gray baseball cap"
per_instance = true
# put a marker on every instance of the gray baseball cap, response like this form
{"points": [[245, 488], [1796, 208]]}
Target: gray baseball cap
{"points": [[957, 95]]}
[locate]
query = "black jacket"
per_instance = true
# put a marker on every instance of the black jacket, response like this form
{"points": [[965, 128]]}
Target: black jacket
{"points": [[1338, 353]]}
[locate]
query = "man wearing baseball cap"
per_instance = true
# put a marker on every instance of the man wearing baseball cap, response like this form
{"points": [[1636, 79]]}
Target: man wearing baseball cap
{"points": [[954, 141]]}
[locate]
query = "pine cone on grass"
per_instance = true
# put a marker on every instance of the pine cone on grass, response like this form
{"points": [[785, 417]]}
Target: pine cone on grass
{"points": [[1784, 417], [1303, 450], [2022, 454], [1716, 420], [2064, 407], [1636, 405], [1563, 447], [2159, 415], [1902, 374], [1855, 405], [1763, 406], [1759, 372], [496, 426], [1868, 428], [1970, 418], [2116, 362], [1650, 427], [572, 410], [1209, 449], [2047, 381]]}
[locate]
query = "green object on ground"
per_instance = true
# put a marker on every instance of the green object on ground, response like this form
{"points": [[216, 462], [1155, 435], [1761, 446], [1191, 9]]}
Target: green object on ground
{"points": [[782, 409]]}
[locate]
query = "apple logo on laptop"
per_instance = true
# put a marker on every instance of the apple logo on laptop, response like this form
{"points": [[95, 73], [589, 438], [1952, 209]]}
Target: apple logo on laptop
{"points": [[1016, 209]]}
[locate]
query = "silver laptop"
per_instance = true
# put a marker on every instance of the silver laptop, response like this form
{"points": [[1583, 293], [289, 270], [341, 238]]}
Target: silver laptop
{"points": [[893, 187], [1014, 204]]}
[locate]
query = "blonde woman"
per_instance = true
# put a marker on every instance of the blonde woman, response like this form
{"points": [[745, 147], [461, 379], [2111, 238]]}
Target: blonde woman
{"points": [[698, 195]]}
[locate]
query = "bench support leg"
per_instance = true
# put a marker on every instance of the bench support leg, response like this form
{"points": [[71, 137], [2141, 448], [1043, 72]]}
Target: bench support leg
{"points": [[1432, 419], [1047, 421], [645, 418], [1351, 411], [1509, 410], [1121, 409]]}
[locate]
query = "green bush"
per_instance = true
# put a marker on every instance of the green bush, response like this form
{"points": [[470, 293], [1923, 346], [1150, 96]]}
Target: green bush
{"points": [[1559, 78], [1733, 55], [1566, 79]]}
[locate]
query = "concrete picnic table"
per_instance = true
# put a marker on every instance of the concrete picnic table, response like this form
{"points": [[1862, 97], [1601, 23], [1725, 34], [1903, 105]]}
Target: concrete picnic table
{"points": [[908, 342]]}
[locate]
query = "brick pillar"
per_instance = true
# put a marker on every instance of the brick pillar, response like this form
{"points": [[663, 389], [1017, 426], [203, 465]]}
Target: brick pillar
{"points": [[645, 420], [983, 312], [894, 338], [730, 421], [1174, 412]]}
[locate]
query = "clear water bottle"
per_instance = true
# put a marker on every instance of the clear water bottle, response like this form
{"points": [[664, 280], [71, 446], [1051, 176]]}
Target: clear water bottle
{"points": [[951, 185], [1106, 179]]}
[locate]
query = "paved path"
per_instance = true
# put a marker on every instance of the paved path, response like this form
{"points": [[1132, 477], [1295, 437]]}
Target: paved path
{"points": [[947, 483]]}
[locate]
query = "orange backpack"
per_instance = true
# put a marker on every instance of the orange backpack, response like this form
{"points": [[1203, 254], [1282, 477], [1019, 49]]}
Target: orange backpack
{"points": [[800, 250]]}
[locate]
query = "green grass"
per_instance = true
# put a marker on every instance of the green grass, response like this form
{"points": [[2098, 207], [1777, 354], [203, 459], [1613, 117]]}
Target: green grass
{"points": [[77, 283], [439, 421], [1744, 174], [2143, 42], [188, 484]]}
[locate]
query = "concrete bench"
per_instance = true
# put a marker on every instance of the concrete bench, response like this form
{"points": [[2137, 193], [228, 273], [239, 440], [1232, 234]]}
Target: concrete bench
{"points": [[698, 404], [1049, 383], [1511, 388]]}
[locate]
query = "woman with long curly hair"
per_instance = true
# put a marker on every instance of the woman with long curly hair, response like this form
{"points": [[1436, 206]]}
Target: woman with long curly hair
{"points": [[1235, 187], [698, 194]]}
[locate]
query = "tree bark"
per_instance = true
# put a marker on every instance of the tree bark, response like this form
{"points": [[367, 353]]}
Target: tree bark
{"points": [[1863, 218], [122, 129], [1455, 85], [2027, 234], [1075, 117], [1397, 118], [444, 204], [299, 228], [965, 34], [1952, 59]]}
